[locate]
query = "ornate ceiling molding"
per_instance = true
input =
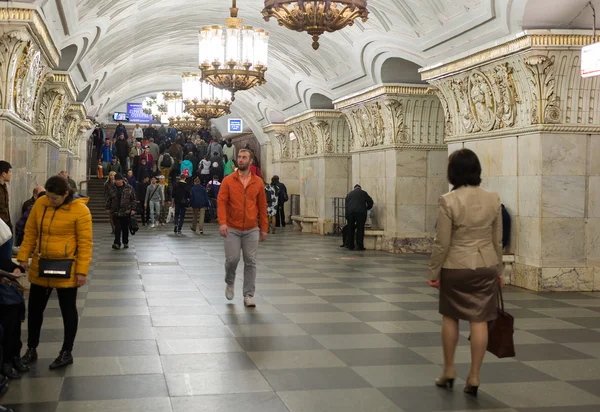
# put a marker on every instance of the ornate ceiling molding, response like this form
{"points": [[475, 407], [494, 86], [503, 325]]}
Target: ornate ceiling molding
{"points": [[538, 88], [21, 16], [393, 115]]}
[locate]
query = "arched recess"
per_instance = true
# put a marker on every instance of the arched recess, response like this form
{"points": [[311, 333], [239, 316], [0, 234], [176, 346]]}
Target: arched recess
{"points": [[67, 57], [275, 116], [398, 70], [318, 101], [82, 96]]}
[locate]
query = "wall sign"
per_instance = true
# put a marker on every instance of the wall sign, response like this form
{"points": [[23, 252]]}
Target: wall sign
{"points": [[137, 115], [235, 126], [590, 60]]}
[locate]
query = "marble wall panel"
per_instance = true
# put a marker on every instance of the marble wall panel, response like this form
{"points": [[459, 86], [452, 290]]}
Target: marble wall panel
{"points": [[411, 190], [509, 156], [593, 209], [563, 242], [437, 163], [564, 155], [410, 219], [567, 279], [525, 276], [563, 196], [453, 147], [596, 285], [390, 163], [489, 153], [338, 168], [431, 217], [592, 242], [594, 155], [372, 164], [530, 196], [529, 237], [411, 163], [436, 187], [355, 168], [530, 155]]}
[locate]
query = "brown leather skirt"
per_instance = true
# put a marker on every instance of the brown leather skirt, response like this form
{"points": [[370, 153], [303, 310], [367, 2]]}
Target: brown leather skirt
{"points": [[469, 295]]}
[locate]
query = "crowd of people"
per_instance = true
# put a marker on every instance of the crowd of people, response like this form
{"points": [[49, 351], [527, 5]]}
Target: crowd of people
{"points": [[160, 174]]}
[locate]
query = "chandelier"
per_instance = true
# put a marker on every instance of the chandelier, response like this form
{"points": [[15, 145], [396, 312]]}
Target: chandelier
{"points": [[202, 100], [234, 58], [163, 106], [316, 16], [187, 123]]}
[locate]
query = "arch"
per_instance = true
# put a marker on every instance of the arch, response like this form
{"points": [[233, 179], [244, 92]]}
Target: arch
{"points": [[559, 14], [275, 116], [399, 70], [319, 101], [67, 57], [82, 96]]}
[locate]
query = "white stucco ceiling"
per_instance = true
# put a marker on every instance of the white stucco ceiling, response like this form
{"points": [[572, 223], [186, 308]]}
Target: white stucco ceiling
{"points": [[130, 48]]}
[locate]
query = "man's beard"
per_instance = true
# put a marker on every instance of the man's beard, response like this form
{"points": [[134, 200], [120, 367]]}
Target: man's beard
{"points": [[243, 168]]}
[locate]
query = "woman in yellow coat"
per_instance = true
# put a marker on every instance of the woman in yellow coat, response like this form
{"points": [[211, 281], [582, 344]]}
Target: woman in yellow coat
{"points": [[66, 234]]}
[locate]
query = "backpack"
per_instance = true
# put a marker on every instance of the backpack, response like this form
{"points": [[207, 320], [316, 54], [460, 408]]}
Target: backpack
{"points": [[167, 161]]}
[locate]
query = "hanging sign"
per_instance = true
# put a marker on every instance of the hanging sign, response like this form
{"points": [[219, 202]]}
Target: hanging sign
{"points": [[235, 126], [590, 60]]}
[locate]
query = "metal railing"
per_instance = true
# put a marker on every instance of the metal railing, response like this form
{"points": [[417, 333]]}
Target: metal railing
{"points": [[339, 215]]}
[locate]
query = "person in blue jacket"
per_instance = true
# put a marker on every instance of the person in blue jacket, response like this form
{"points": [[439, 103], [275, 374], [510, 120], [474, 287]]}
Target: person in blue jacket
{"points": [[199, 203], [106, 153]]}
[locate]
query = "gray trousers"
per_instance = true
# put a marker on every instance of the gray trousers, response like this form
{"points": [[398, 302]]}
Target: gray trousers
{"points": [[242, 241]]}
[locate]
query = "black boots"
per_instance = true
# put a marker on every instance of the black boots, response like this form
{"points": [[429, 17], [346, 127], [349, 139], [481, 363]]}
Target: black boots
{"points": [[64, 359], [29, 357], [10, 372], [19, 366]]}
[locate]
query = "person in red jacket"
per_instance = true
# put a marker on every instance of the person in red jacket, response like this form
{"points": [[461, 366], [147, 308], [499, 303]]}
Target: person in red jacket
{"points": [[242, 200]]}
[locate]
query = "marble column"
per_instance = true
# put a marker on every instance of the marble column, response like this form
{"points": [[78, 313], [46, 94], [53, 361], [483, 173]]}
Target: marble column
{"points": [[284, 160], [400, 159], [266, 160], [524, 109], [324, 165]]}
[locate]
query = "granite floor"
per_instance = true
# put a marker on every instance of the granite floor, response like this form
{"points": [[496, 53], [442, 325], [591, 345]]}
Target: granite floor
{"points": [[334, 330]]}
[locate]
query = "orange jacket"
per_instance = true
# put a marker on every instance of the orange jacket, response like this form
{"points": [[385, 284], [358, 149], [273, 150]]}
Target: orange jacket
{"points": [[240, 208]]}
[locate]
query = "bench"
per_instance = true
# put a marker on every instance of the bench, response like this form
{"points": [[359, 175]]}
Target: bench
{"points": [[306, 224], [373, 238]]}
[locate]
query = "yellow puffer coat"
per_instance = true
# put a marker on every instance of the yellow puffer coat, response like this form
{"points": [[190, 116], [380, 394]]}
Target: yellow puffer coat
{"points": [[66, 234]]}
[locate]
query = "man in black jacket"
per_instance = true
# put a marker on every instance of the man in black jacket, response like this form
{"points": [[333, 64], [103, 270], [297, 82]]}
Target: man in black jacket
{"points": [[122, 147], [357, 203]]}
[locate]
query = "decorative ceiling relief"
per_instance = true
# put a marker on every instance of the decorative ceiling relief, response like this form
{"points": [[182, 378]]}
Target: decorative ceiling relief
{"points": [[321, 133], [545, 108], [528, 84], [394, 116]]}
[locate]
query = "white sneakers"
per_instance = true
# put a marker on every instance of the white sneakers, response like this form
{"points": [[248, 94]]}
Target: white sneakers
{"points": [[229, 292], [153, 226], [248, 300]]}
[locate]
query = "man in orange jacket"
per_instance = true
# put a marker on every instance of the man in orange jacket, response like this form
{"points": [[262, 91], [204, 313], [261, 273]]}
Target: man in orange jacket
{"points": [[242, 201]]}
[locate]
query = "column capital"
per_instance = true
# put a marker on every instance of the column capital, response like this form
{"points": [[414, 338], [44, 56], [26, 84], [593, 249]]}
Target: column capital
{"points": [[321, 133], [284, 149], [394, 115], [529, 84]]}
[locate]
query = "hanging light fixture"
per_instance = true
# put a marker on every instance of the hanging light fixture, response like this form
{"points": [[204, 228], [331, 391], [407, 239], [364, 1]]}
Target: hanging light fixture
{"points": [[186, 123], [234, 58], [203, 100], [316, 16], [163, 106]]}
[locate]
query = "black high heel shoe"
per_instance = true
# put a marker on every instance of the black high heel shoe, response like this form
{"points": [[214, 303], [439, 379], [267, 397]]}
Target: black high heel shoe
{"points": [[471, 390], [444, 382]]}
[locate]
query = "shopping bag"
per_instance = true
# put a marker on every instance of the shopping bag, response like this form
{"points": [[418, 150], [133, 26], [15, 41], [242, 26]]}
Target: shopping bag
{"points": [[171, 214], [5, 232], [500, 333], [100, 171]]}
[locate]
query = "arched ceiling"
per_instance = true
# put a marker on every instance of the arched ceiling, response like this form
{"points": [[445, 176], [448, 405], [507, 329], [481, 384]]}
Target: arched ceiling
{"points": [[130, 48]]}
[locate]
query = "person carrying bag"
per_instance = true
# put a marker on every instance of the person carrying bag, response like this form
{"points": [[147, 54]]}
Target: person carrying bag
{"points": [[59, 229]]}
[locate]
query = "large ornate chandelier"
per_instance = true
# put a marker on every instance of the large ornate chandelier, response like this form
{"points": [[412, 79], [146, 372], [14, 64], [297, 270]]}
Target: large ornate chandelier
{"points": [[167, 107], [234, 58], [203, 100], [316, 16]]}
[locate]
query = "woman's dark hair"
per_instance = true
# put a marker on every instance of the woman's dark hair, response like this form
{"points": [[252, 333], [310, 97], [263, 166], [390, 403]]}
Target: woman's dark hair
{"points": [[59, 186], [225, 158], [464, 169]]}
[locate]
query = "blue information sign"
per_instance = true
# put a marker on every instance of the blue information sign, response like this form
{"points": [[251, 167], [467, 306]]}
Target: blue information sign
{"points": [[235, 126], [137, 115]]}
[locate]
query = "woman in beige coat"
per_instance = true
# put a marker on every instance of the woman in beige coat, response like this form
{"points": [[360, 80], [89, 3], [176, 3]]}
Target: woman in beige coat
{"points": [[466, 263]]}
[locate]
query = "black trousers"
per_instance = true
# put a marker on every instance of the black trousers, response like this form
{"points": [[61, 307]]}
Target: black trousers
{"points": [[10, 319], [356, 223], [38, 299], [280, 221], [121, 228]]}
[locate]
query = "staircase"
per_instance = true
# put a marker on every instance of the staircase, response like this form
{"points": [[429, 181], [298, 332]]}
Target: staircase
{"points": [[97, 203]]}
